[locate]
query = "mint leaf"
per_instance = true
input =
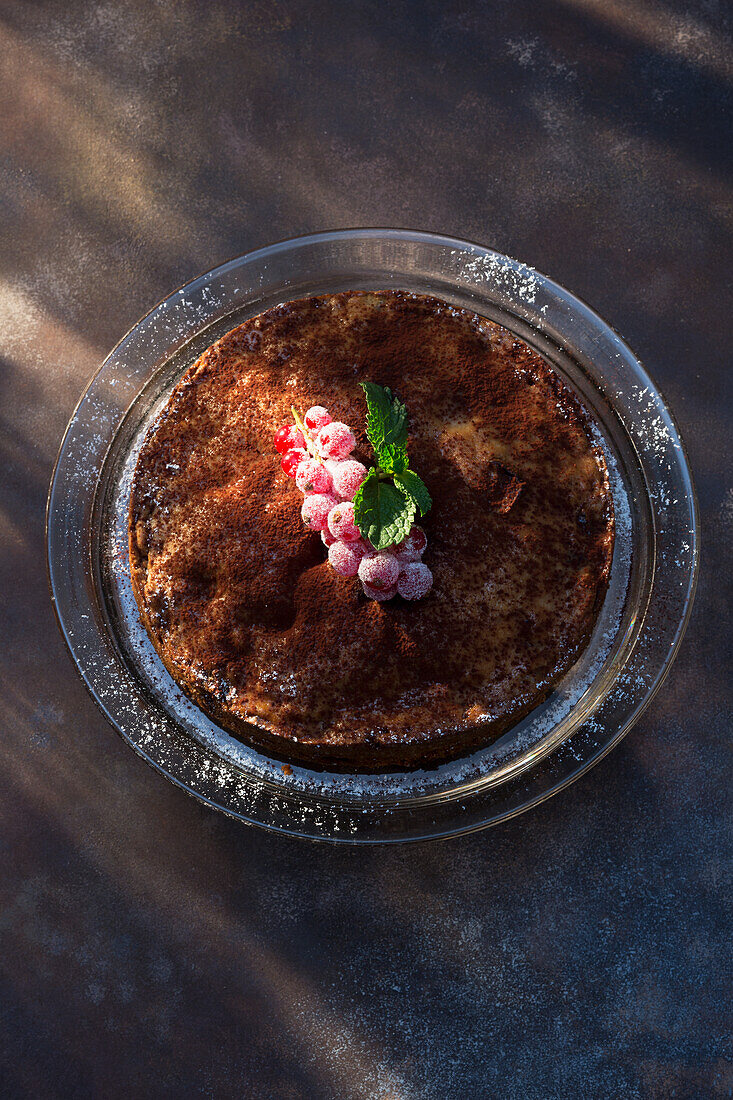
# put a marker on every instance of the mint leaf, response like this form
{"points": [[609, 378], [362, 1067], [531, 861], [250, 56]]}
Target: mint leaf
{"points": [[415, 488], [383, 513], [386, 420], [395, 431], [393, 458], [390, 496]]}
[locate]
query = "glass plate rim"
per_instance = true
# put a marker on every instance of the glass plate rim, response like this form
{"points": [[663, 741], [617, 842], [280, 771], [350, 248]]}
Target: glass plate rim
{"points": [[561, 293]]}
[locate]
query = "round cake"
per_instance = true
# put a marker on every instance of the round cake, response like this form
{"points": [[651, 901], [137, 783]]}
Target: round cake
{"points": [[237, 593]]}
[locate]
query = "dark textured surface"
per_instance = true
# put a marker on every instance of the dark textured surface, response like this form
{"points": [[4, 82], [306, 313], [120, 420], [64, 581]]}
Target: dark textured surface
{"points": [[151, 948]]}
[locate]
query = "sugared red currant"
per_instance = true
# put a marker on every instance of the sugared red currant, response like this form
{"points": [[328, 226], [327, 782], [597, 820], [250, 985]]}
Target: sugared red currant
{"points": [[292, 459], [379, 571], [288, 437], [380, 594], [315, 510], [327, 538], [413, 547], [313, 477], [344, 558], [347, 477], [316, 418], [363, 548], [341, 522], [415, 581], [335, 440]]}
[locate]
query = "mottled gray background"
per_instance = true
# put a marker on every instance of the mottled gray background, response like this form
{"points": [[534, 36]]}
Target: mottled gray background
{"points": [[151, 948]]}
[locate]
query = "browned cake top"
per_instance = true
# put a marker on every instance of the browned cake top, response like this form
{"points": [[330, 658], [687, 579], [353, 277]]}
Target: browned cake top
{"points": [[237, 594]]}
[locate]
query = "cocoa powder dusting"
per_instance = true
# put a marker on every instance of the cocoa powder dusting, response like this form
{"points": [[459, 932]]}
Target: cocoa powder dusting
{"points": [[236, 592]]}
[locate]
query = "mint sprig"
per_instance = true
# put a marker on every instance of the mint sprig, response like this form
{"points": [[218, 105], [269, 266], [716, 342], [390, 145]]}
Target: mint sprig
{"points": [[391, 494]]}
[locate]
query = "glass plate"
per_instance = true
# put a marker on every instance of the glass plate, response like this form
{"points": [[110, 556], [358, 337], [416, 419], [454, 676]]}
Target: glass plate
{"points": [[635, 640]]}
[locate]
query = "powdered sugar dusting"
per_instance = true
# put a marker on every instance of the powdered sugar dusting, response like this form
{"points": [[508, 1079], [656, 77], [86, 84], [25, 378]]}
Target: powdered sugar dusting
{"points": [[517, 279]]}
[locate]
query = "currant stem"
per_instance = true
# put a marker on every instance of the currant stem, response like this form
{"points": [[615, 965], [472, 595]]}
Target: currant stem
{"points": [[307, 437]]}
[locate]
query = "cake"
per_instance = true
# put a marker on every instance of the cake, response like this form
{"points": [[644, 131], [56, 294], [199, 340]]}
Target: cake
{"points": [[236, 592]]}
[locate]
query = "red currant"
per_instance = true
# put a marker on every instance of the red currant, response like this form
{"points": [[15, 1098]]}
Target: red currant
{"points": [[343, 559], [288, 437], [379, 572], [413, 547], [347, 477], [335, 440], [415, 581], [316, 418], [342, 524], [379, 594], [313, 477], [316, 507], [292, 460]]}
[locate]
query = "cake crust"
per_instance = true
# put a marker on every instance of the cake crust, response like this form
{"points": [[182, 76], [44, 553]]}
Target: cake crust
{"points": [[237, 596]]}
